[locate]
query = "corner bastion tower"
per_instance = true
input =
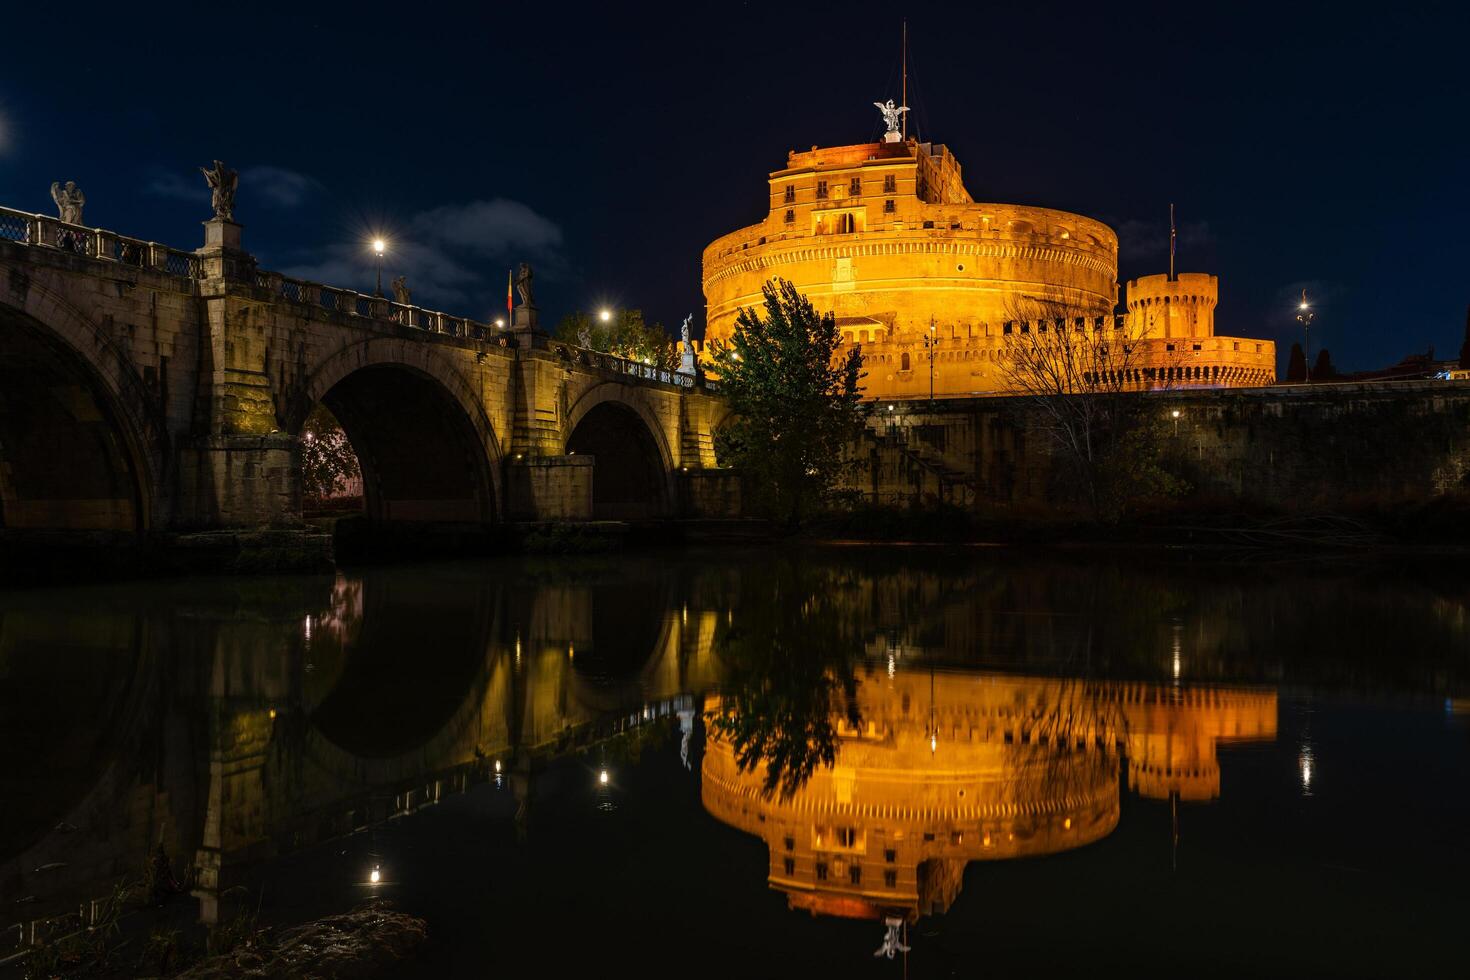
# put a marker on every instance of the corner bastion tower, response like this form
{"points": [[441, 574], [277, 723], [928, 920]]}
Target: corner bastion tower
{"points": [[886, 237]]}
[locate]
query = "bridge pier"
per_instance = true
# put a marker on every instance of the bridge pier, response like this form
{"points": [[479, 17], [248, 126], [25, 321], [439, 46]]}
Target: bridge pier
{"points": [[165, 394]]}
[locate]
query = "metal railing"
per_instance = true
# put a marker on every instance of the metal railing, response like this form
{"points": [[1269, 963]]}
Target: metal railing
{"points": [[96, 243]]}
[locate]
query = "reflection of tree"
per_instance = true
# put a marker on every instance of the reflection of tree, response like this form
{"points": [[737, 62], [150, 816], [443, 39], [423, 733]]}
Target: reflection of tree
{"points": [[789, 675]]}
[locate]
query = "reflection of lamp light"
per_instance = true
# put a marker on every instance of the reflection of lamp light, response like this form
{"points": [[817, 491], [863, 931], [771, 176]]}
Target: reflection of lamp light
{"points": [[497, 765]]}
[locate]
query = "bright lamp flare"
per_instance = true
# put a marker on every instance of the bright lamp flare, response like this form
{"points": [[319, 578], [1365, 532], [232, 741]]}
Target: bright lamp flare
{"points": [[604, 315], [376, 875], [379, 245], [602, 777]]}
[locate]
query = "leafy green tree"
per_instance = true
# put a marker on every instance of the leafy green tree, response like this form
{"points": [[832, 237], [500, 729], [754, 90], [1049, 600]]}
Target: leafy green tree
{"points": [[327, 459], [793, 393], [1296, 365], [625, 335]]}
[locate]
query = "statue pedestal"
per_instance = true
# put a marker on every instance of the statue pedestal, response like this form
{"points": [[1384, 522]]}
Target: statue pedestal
{"points": [[893, 136], [221, 233], [687, 363], [524, 318]]}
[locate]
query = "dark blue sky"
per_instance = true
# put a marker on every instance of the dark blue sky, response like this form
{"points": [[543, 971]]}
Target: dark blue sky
{"points": [[1312, 146]]}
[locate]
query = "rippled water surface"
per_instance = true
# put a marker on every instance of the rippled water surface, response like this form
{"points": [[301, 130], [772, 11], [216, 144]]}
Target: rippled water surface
{"points": [[746, 763]]}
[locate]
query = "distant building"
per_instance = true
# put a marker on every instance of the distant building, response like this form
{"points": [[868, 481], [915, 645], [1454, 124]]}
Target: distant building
{"points": [[886, 237]]}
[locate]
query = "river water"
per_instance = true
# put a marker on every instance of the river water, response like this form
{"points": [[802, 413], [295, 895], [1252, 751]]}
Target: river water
{"points": [[746, 763]]}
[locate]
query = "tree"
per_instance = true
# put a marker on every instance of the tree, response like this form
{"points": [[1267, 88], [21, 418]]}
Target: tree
{"points": [[1323, 369], [1079, 377], [625, 335], [788, 677], [1465, 347], [793, 395], [327, 459], [1296, 365]]}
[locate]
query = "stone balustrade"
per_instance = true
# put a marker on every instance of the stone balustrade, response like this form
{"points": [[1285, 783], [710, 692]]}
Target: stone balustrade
{"points": [[36, 229]]}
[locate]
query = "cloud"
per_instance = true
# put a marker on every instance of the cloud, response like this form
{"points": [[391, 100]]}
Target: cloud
{"points": [[455, 256], [1147, 239], [272, 186], [277, 185], [492, 227], [171, 185]]}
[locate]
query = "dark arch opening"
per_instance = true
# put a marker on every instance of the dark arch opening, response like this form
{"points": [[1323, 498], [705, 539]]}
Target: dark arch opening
{"points": [[420, 457], [628, 481], [66, 462], [407, 652]]}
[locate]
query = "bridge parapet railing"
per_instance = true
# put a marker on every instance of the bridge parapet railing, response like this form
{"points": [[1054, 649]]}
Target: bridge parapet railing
{"points": [[624, 365], [353, 303], [97, 243]]}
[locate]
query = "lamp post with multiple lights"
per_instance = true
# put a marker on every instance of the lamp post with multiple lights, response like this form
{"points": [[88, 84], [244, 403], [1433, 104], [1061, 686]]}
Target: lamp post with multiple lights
{"points": [[929, 342], [1304, 316]]}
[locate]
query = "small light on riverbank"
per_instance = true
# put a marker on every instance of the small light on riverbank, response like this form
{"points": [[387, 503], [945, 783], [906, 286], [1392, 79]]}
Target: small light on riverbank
{"points": [[375, 876], [602, 777]]}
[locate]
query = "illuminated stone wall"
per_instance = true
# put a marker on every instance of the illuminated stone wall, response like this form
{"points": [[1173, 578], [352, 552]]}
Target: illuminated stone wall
{"points": [[885, 236], [1293, 448]]}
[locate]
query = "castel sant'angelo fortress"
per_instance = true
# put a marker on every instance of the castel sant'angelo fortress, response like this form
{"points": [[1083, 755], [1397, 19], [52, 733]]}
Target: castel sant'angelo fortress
{"points": [[886, 237]]}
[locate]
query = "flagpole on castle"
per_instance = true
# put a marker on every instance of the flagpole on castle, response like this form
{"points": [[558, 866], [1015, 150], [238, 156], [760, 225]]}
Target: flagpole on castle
{"points": [[904, 95]]}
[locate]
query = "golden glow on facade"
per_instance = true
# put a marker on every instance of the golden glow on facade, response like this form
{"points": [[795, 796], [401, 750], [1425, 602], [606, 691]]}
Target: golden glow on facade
{"points": [[1019, 767], [887, 238]]}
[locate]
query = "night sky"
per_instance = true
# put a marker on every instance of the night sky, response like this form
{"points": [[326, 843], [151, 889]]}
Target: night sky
{"points": [[1303, 147]]}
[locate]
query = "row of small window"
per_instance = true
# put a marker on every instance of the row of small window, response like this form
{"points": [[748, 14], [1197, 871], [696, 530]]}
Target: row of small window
{"points": [[1081, 322], [854, 188], [846, 224], [854, 873]]}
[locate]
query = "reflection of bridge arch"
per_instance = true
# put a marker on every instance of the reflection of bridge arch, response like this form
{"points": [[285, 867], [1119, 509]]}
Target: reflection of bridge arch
{"points": [[80, 444], [633, 475], [425, 445]]}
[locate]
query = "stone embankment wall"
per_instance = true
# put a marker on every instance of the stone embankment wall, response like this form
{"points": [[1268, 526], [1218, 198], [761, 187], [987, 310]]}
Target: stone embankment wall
{"points": [[1293, 448]]}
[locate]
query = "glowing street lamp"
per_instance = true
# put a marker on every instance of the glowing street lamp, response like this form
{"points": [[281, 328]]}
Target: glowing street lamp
{"points": [[605, 315], [602, 778], [375, 876], [379, 246], [1304, 316]]}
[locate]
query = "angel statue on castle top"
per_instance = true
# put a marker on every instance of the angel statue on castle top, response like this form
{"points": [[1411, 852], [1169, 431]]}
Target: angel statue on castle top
{"points": [[892, 118]]}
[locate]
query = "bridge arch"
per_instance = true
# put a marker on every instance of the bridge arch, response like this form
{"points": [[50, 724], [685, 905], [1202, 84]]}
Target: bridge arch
{"points": [[426, 448], [633, 475], [80, 444]]}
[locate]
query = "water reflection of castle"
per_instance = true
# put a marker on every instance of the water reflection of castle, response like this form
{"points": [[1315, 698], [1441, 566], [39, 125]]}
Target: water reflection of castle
{"points": [[951, 768]]}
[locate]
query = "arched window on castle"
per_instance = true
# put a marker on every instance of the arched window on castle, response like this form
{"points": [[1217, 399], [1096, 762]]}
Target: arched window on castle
{"points": [[903, 363]]}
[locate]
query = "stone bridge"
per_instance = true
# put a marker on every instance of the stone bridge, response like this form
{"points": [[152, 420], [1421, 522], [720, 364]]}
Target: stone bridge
{"points": [[145, 389]]}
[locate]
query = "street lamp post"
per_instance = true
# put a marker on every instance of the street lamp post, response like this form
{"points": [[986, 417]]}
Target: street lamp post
{"points": [[1304, 316], [929, 342], [378, 246]]}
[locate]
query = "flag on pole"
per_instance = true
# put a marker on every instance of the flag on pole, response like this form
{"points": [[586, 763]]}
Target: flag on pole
{"points": [[509, 285]]}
